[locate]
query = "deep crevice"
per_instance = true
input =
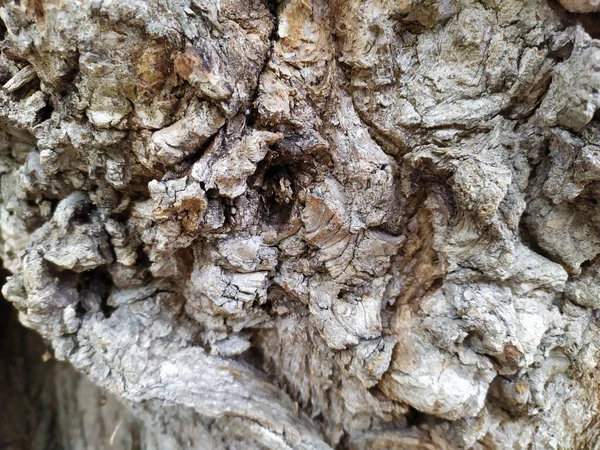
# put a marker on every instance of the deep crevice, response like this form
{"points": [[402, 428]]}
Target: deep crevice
{"points": [[3, 30], [94, 289], [186, 164], [45, 113], [26, 391], [589, 21], [530, 242], [415, 418]]}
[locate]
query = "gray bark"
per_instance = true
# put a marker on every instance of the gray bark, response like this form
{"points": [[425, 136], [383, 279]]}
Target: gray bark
{"points": [[47, 404], [310, 223]]}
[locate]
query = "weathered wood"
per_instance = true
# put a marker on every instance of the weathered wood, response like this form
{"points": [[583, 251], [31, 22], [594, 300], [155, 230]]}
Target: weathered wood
{"points": [[310, 223]]}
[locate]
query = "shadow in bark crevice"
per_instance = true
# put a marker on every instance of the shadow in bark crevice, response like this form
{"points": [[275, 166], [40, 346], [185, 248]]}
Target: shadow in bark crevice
{"points": [[27, 392]]}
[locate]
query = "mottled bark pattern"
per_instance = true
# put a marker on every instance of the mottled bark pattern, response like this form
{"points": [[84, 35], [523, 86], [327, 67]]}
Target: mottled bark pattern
{"points": [[306, 224]]}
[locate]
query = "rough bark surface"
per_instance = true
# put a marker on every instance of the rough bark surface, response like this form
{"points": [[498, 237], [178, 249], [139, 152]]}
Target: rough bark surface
{"points": [[47, 405], [311, 223]]}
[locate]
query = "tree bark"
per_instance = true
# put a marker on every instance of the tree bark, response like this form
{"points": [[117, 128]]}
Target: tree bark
{"points": [[307, 224]]}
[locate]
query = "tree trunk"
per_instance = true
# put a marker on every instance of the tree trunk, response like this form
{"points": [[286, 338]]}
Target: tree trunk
{"points": [[305, 224]]}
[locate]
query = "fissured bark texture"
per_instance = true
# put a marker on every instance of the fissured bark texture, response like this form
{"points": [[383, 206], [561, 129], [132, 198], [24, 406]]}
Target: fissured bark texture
{"points": [[361, 224]]}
